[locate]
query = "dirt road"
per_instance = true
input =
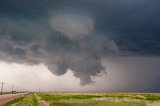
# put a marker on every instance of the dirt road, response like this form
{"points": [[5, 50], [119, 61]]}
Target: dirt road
{"points": [[8, 97]]}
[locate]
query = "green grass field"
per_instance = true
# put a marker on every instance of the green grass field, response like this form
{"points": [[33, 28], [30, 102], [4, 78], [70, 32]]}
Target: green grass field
{"points": [[88, 99], [28, 100], [99, 99]]}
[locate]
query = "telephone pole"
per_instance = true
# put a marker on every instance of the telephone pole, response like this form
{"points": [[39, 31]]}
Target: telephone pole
{"points": [[12, 87], [20, 89], [17, 89], [2, 87]]}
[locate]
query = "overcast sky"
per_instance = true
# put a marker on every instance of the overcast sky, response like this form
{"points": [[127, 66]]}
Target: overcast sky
{"points": [[80, 45]]}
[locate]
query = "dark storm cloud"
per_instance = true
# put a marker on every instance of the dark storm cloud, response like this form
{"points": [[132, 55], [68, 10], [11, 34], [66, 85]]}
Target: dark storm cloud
{"points": [[54, 49], [77, 34]]}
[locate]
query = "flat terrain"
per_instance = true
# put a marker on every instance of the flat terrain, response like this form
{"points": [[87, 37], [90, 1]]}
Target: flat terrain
{"points": [[28, 100], [87, 99], [8, 97]]}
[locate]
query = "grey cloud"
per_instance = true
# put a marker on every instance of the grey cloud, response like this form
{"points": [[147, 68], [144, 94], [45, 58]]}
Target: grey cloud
{"points": [[54, 49], [76, 27], [27, 34]]}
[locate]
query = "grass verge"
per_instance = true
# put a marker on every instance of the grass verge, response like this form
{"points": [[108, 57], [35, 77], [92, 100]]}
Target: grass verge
{"points": [[28, 100]]}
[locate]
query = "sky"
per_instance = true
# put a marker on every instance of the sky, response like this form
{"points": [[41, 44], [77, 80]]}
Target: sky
{"points": [[80, 45]]}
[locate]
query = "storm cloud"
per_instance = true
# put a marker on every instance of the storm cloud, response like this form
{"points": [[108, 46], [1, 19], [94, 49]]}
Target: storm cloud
{"points": [[77, 34]]}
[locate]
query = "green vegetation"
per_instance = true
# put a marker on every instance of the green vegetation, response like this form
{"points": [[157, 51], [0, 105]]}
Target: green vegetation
{"points": [[99, 104], [87, 99], [152, 97], [99, 99], [67, 96], [14, 101], [139, 96], [29, 100]]}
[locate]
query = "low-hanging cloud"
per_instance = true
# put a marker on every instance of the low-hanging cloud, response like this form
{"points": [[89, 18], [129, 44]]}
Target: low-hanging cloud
{"points": [[56, 49]]}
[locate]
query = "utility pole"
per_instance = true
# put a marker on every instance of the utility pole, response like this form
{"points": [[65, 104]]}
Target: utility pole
{"points": [[2, 87], [12, 87], [17, 89], [20, 89]]}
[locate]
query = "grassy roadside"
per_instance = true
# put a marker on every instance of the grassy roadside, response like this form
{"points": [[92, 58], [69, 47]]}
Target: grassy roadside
{"points": [[28, 100]]}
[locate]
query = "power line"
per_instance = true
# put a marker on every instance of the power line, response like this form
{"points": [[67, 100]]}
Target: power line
{"points": [[12, 87]]}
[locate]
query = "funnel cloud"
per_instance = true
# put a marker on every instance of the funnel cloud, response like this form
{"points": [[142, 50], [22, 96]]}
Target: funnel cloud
{"points": [[78, 35]]}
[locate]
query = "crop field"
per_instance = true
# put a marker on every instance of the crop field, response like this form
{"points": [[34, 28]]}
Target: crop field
{"points": [[89, 99]]}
